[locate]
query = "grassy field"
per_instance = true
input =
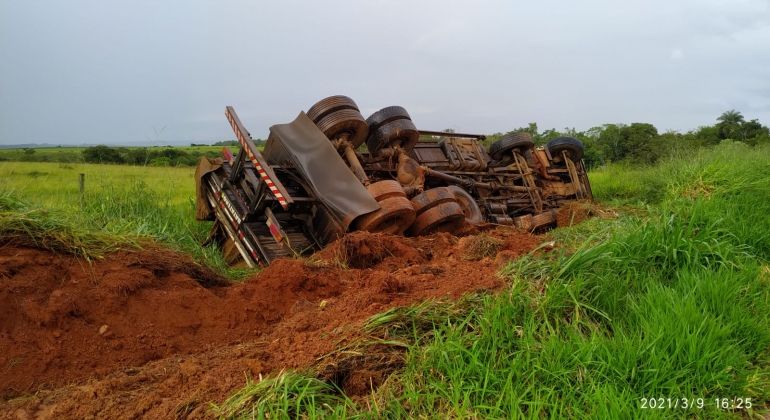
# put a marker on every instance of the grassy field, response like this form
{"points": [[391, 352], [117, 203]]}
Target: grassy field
{"points": [[56, 184], [127, 203], [75, 154], [669, 301]]}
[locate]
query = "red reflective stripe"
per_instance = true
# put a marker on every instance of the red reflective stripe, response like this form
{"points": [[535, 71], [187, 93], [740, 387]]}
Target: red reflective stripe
{"points": [[261, 171], [274, 231]]}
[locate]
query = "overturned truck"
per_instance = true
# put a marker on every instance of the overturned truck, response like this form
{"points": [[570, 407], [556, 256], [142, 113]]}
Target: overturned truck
{"points": [[331, 171]]}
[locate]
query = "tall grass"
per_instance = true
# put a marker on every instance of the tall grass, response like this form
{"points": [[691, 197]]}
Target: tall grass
{"points": [[24, 225], [285, 395], [671, 303], [728, 168], [119, 203]]}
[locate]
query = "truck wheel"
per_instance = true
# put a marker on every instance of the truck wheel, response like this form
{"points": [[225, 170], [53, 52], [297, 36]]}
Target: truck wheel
{"points": [[385, 189], [471, 209], [393, 217], [328, 105], [573, 147], [431, 198], [344, 121], [522, 141], [398, 132], [446, 217], [386, 115]]}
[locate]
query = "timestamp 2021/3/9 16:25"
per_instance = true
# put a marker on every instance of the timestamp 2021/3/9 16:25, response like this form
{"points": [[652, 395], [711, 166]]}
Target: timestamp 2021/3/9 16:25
{"points": [[735, 403]]}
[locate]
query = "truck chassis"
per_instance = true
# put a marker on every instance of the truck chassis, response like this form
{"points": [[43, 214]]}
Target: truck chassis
{"points": [[314, 181]]}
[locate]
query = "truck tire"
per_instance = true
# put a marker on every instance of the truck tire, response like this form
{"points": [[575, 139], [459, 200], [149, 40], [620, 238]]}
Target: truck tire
{"points": [[386, 189], [446, 217], [328, 105], [386, 115], [345, 121], [393, 217], [471, 209], [431, 198], [522, 141], [572, 145], [401, 132]]}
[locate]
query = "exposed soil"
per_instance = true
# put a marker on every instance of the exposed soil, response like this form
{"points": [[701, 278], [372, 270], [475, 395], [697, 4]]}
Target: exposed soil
{"points": [[151, 334], [574, 212]]}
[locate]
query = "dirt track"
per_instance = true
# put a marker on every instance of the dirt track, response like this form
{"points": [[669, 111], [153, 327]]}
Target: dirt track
{"points": [[152, 334]]}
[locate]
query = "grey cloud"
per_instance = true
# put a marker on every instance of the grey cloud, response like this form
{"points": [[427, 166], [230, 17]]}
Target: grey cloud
{"points": [[107, 72]]}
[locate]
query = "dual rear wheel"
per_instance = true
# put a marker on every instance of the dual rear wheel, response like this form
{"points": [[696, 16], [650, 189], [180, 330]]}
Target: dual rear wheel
{"points": [[443, 209], [395, 213], [339, 116]]}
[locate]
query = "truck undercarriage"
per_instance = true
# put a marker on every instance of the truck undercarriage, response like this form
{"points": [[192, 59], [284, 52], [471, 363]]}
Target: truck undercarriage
{"points": [[314, 181]]}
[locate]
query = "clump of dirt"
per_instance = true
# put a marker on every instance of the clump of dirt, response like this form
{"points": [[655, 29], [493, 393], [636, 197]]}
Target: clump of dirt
{"points": [[480, 246], [64, 320], [359, 374], [574, 212], [151, 334], [363, 250]]}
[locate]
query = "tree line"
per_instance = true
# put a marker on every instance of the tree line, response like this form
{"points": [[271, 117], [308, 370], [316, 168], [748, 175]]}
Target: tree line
{"points": [[164, 156], [641, 143]]}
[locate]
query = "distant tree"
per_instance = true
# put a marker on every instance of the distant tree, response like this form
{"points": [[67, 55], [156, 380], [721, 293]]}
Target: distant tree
{"points": [[707, 135], [29, 151], [139, 156], [172, 153], [640, 142], [753, 132], [730, 122], [102, 154], [227, 143], [609, 141], [161, 161]]}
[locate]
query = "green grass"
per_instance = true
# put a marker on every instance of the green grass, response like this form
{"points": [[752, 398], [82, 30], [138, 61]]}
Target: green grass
{"points": [[286, 394], [23, 225], [128, 203], [75, 154], [56, 184], [671, 300]]}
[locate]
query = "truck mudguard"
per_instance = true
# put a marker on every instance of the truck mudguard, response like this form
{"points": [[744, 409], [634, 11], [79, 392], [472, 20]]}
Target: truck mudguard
{"points": [[312, 154]]}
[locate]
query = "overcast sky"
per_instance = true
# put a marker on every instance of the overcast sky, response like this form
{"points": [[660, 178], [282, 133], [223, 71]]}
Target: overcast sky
{"points": [[74, 72]]}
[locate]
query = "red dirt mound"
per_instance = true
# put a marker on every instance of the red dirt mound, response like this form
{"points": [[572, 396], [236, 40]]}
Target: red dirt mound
{"points": [[574, 212], [64, 321]]}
